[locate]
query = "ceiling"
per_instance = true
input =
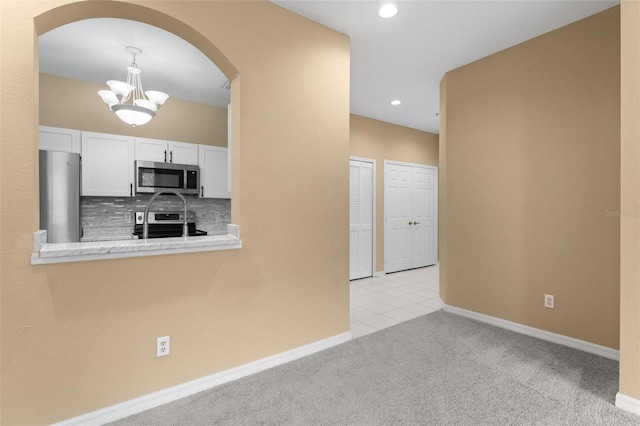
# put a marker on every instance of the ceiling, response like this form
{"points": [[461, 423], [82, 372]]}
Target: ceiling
{"points": [[95, 50], [406, 56], [403, 57]]}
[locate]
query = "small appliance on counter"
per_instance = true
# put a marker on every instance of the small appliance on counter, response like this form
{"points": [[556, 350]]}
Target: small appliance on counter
{"points": [[166, 224]]}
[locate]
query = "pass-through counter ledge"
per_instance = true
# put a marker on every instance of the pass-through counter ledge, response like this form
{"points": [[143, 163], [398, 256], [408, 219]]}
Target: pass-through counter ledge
{"points": [[44, 253]]}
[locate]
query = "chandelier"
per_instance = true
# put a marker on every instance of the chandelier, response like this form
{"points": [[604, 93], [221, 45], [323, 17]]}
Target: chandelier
{"points": [[128, 100]]}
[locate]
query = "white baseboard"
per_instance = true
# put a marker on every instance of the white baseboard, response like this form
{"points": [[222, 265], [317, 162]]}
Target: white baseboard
{"points": [[378, 274], [174, 393], [582, 345], [627, 403]]}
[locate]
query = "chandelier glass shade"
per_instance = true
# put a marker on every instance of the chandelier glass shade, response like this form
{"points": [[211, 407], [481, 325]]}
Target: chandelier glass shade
{"points": [[128, 100]]}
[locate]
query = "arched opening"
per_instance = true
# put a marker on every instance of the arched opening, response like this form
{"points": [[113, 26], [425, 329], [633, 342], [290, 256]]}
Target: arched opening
{"points": [[108, 212], [113, 9]]}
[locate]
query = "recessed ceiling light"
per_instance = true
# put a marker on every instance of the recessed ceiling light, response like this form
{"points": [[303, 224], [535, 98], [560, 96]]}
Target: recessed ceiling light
{"points": [[395, 102], [388, 10]]}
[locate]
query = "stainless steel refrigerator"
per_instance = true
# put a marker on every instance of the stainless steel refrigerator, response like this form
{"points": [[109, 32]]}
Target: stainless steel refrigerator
{"points": [[60, 196]]}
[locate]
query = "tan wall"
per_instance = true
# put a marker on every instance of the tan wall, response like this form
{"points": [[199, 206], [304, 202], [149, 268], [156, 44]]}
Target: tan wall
{"points": [[75, 104], [442, 193], [532, 166], [630, 202], [381, 141], [78, 337]]}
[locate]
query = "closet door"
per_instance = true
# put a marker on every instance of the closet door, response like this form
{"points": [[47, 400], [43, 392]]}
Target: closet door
{"points": [[361, 219], [425, 239], [398, 213], [411, 223]]}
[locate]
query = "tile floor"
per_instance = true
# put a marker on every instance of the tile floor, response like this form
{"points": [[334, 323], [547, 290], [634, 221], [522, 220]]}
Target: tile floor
{"points": [[381, 302]]}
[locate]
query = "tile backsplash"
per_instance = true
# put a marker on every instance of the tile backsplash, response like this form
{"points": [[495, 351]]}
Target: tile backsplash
{"points": [[112, 217]]}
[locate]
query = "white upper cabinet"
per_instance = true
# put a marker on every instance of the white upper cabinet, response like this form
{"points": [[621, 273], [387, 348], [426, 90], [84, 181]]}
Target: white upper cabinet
{"points": [[166, 151], [58, 139], [183, 153], [214, 172], [107, 165], [151, 150]]}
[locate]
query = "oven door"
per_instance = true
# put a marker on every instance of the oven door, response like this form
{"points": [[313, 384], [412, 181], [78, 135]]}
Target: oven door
{"points": [[153, 177]]}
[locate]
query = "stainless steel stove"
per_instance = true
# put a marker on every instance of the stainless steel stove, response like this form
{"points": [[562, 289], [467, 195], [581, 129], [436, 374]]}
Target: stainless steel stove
{"points": [[165, 224]]}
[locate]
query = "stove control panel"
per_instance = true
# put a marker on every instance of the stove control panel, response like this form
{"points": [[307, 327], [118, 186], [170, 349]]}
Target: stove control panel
{"points": [[166, 217]]}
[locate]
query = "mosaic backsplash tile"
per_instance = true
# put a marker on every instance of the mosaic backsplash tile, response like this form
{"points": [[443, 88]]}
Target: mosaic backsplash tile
{"points": [[112, 218]]}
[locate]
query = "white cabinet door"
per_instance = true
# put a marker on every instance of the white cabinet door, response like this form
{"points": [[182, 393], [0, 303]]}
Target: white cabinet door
{"points": [[151, 150], [411, 228], [107, 165], [58, 139], [182, 153], [214, 172], [162, 151], [360, 219]]}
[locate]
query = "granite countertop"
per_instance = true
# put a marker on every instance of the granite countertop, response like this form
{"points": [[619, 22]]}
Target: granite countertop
{"points": [[123, 248]]}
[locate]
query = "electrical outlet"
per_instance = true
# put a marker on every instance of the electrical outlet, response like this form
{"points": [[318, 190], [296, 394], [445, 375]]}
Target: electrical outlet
{"points": [[127, 216], [162, 346], [549, 301]]}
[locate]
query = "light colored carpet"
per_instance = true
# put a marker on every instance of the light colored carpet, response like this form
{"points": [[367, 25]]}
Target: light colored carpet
{"points": [[438, 369]]}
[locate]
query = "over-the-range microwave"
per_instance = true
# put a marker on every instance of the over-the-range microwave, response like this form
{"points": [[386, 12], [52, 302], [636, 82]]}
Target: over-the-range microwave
{"points": [[154, 177]]}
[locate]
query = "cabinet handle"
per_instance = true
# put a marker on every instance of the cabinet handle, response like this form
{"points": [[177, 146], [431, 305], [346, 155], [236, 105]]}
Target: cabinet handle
{"points": [[131, 189], [202, 191], [165, 155], [171, 154]]}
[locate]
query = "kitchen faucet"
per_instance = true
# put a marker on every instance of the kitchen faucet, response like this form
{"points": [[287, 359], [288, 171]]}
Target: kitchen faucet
{"points": [[145, 223]]}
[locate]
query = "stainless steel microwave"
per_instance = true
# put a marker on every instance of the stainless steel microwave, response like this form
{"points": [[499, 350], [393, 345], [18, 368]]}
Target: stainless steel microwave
{"points": [[154, 177]]}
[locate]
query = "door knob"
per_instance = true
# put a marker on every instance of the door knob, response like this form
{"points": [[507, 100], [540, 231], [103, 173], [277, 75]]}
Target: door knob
{"points": [[416, 223], [410, 223]]}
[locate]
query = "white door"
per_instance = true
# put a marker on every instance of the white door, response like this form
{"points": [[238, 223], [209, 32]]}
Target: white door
{"points": [[361, 218], [398, 214], [425, 240], [411, 238]]}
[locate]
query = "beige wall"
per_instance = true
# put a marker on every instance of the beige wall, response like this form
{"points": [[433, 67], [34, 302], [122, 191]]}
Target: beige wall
{"points": [[630, 202], [442, 193], [75, 104], [78, 337], [381, 141], [532, 165]]}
